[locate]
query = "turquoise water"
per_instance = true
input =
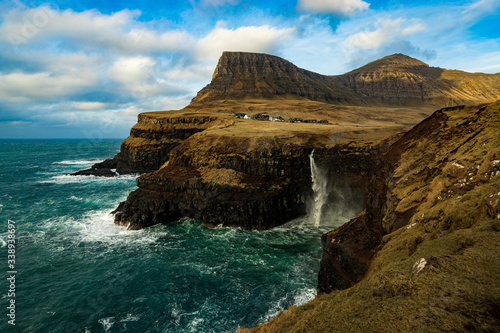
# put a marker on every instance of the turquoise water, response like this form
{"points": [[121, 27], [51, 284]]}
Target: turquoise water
{"points": [[79, 272]]}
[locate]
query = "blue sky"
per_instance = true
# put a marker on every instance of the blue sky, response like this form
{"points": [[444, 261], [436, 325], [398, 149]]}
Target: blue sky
{"points": [[85, 69]]}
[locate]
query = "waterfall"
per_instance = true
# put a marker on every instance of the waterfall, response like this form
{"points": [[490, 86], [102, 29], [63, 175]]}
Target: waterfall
{"points": [[319, 187]]}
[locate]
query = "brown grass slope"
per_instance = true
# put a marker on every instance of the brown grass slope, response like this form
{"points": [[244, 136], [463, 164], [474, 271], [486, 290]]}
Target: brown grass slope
{"points": [[441, 271]]}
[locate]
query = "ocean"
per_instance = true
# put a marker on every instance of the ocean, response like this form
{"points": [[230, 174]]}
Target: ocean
{"points": [[76, 271]]}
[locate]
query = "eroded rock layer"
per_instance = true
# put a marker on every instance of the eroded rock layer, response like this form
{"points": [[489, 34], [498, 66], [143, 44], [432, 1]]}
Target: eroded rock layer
{"points": [[249, 182]]}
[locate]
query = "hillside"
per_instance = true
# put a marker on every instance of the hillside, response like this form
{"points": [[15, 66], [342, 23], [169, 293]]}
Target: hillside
{"points": [[428, 240]]}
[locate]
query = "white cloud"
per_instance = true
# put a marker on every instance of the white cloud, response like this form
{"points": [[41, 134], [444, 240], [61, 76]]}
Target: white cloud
{"points": [[90, 105], [337, 7], [24, 87], [139, 77], [246, 39], [195, 72], [480, 8], [413, 29], [135, 74], [387, 31], [115, 32], [131, 70]]}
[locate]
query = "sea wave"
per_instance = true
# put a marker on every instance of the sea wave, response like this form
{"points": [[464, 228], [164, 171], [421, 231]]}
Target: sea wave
{"points": [[99, 227], [107, 323], [77, 162], [68, 179], [95, 228], [300, 297]]}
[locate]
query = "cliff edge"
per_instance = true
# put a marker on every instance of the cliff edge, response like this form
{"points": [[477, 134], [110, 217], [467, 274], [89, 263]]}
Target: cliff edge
{"points": [[423, 256]]}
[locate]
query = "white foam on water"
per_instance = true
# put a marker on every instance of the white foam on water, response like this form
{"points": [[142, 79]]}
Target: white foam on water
{"points": [[94, 227], [78, 162], [107, 323], [129, 317], [68, 179], [99, 226], [302, 297], [194, 325]]}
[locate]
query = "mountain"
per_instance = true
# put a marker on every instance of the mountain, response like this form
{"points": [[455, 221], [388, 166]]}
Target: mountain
{"points": [[241, 75], [395, 80]]}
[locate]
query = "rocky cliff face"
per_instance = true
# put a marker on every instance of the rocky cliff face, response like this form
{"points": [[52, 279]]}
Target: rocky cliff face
{"points": [[390, 81], [439, 174], [151, 140], [423, 256], [153, 137], [248, 182]]}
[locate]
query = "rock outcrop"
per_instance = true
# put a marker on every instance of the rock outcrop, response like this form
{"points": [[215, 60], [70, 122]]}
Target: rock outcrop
{"points": [[224, 185], [241, 75], [151, 140]]}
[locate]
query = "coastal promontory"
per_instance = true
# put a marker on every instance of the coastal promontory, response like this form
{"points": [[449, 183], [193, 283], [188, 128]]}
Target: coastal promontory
{"points": [[416, 147]]}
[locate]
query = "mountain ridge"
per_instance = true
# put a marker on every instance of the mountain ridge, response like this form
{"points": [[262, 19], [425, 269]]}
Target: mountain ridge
{"points": [[395, 80]]}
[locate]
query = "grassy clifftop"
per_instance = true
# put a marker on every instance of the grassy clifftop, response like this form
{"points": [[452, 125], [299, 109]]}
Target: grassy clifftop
{"points": [[437, 268]]}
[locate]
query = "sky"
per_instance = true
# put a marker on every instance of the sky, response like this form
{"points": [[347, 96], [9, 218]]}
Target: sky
{"points": [[85, 69]]}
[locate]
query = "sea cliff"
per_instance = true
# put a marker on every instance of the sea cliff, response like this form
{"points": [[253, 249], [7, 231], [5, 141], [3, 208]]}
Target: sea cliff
{"points": [[422, 256]]}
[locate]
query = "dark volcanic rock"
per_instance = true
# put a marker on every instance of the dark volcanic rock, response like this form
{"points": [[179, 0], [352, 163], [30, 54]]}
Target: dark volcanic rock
{"points": [[255, 192], [101, 169], [348, 250], [256, 189]]}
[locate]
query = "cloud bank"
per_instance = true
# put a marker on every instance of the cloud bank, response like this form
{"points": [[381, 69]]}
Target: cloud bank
{"points": [[65, 71]]}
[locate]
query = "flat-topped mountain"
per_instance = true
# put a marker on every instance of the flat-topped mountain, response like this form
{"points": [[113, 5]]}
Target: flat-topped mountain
{"points": [[241, 75], [395, 80]]}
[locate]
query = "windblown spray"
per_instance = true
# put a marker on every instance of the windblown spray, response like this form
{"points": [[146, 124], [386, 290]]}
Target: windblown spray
{"points": [[319, 187]]}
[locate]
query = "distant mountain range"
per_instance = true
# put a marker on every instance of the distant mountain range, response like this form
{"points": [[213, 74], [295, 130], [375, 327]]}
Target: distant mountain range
{"points": [[395, 80]]}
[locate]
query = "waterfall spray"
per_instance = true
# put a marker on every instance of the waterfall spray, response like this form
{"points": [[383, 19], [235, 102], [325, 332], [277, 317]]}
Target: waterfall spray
{"points": [[319, 187]]}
